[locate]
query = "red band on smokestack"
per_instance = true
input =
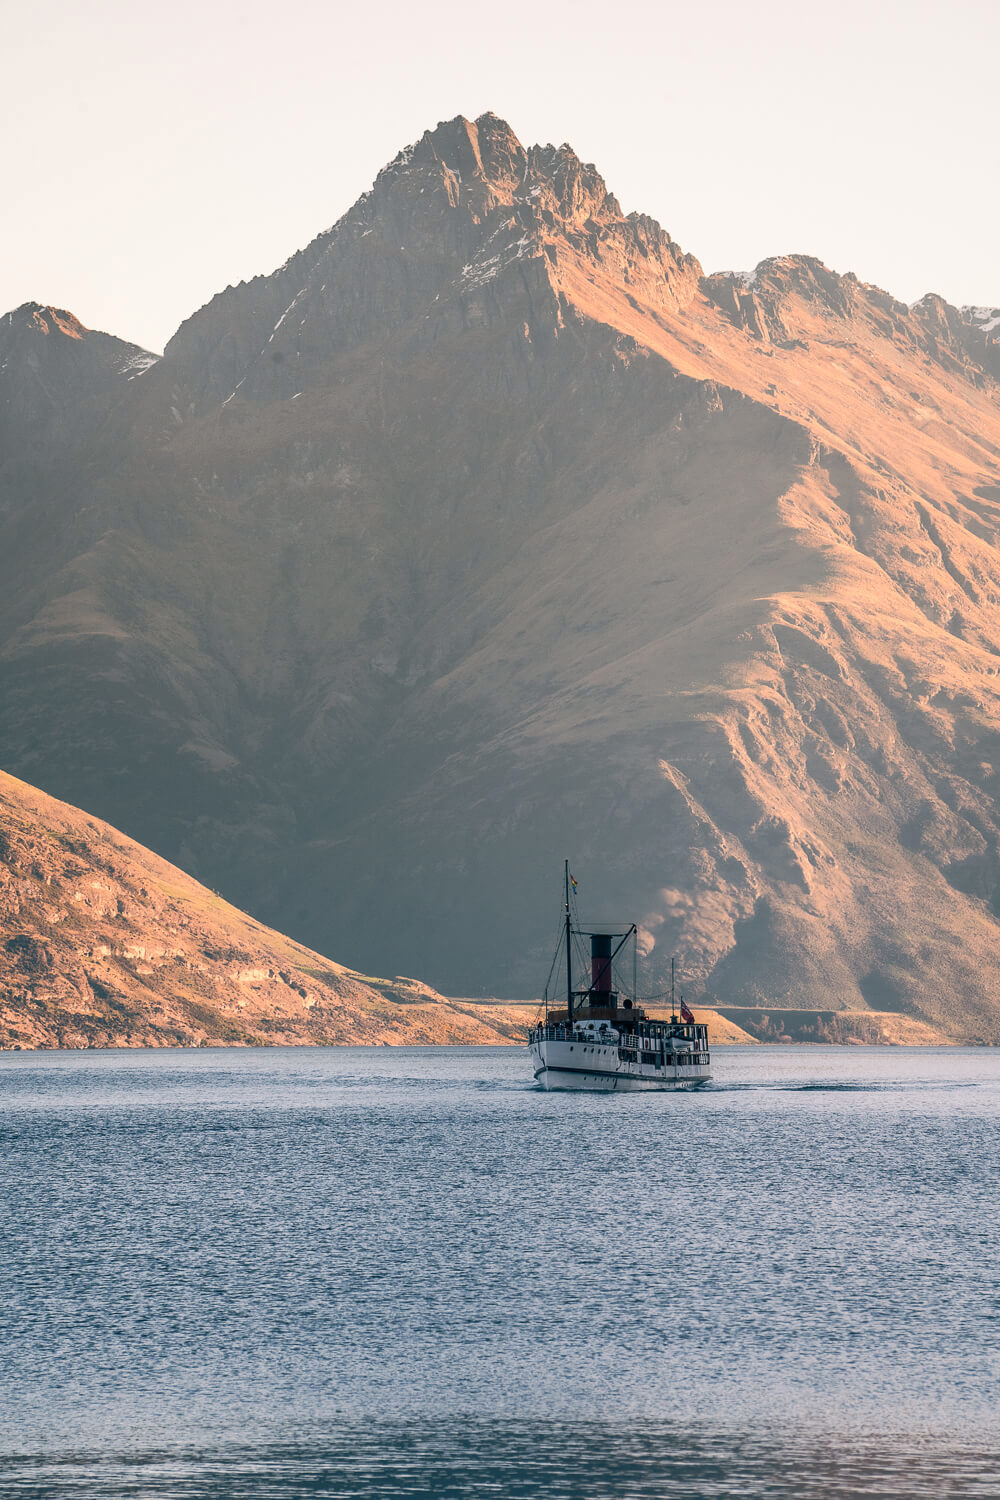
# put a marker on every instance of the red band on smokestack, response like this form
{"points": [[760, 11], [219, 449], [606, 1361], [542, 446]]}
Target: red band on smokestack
{"points": [[600, 963]]}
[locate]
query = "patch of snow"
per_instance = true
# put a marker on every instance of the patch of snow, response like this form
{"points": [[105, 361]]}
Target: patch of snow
{"points": [[236, 389], [986, 319], [138, 363], [284, 315], [747, 279], [479, 272], [474, 275]]}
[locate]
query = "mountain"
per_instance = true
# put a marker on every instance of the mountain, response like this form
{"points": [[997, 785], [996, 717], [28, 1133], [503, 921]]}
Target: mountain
{"points": [[57, 379], [489, 528], [105, 944]]}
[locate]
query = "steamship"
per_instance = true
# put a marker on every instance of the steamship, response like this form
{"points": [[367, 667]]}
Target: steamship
{"points": [[602, 1038]]}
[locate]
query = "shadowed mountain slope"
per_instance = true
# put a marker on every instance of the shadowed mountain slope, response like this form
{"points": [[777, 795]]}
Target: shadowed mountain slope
{"points": [[57, 381], [488, 529]]}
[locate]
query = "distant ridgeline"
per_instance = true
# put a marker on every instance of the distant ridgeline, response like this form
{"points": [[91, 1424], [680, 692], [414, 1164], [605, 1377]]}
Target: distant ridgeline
{"points": [[489, 529]]}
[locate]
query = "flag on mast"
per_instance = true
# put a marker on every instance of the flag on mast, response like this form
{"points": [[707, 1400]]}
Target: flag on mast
{"points": [[686, 1015], [572, 883]]}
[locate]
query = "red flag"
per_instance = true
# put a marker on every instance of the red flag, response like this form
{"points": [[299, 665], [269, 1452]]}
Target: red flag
{"points": [[685, 1013]]}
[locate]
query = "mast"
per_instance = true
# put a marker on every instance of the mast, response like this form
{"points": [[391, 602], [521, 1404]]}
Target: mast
{"points": [[673, 1006], [569, 955]]}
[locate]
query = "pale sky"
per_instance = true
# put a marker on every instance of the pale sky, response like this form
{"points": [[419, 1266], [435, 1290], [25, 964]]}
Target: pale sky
{"points": [[155, 152]]}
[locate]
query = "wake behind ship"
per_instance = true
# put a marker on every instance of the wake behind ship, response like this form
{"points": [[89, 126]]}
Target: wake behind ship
{"points": [[603, 1040]]}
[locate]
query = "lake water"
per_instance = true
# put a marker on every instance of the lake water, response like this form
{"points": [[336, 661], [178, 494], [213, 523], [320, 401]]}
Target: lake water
{"points": [[406, 1272]]}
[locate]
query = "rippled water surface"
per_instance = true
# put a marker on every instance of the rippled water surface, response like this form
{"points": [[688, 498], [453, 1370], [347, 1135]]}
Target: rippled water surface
{"points": [[406, 1272]]}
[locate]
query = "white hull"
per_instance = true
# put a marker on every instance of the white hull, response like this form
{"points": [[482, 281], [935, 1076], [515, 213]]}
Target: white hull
{"points": [[596, 1067]]}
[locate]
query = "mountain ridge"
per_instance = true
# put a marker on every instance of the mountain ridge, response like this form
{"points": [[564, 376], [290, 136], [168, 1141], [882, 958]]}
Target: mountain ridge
{"points": [[488, 519], [107, 945]]}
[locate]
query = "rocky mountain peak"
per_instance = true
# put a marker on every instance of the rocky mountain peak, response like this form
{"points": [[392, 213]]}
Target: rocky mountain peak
{"points": [[579, 190], [465, 226], [486, 166], [472, 166], [55, 376], [35, 317], [484, 151], [26, 327]]}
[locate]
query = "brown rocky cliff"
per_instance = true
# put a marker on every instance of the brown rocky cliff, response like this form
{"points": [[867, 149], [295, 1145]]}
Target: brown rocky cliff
{"points": [[103, 944]]}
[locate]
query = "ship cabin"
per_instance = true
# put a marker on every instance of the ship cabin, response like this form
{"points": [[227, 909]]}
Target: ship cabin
{"points": [[629, 1027]]}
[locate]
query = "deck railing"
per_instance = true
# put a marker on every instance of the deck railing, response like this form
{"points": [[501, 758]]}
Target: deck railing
{"points": [[634, 1049]]}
